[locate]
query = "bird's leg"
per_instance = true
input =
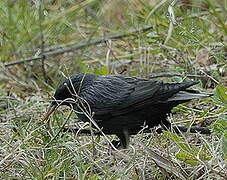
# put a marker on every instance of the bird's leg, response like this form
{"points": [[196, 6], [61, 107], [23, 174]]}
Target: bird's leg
{"points": [[124, 140]]}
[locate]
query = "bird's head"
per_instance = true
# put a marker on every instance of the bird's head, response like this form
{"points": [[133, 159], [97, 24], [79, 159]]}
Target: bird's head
{"points": [[68, 91]]}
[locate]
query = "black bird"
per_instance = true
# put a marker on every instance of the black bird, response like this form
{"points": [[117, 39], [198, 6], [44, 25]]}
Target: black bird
{"points": [[122, 105]]}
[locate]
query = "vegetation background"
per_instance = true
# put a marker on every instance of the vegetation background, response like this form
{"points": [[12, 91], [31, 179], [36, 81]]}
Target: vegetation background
{"points": [[44, 41]]}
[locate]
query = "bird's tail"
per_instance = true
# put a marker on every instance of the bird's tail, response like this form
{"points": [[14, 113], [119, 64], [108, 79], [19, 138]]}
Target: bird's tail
{"points": [[188, 95]]}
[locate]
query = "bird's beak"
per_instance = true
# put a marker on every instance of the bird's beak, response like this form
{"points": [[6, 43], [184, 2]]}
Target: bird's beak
{"points": [[50, 110]]}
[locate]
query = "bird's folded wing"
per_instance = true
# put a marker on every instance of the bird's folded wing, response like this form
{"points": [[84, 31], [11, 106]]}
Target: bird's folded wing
{"points": [[118, 94]]}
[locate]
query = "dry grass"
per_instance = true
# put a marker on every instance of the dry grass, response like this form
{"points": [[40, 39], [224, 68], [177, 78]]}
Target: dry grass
{"points": [[192, 44]]}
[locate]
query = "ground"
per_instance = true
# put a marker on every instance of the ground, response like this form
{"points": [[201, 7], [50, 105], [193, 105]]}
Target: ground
{"points": [[44, 41]]}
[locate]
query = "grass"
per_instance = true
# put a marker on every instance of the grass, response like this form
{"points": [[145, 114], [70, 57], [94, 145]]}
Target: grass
{"points": [[196, 46]]}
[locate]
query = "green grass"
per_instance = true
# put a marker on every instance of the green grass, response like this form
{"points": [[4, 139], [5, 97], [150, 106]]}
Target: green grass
{"points": [[196, 47]]}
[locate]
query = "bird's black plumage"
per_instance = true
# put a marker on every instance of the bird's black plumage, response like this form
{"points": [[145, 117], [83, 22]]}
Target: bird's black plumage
{"points": [[123, 105]]}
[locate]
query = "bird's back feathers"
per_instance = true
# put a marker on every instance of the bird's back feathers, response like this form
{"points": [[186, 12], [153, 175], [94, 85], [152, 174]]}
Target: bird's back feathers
{"points": [[118, 94]]}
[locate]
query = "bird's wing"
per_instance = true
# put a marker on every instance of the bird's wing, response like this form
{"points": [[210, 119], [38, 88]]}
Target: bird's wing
{"points": [[118, 94]]}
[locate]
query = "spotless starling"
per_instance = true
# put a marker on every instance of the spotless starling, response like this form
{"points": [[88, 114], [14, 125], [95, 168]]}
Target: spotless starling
{"points": [[121, 105]]}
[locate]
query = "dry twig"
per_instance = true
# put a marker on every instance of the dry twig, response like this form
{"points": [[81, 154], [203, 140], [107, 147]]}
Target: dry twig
{"points": [[71, 48], [177, 129]]}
